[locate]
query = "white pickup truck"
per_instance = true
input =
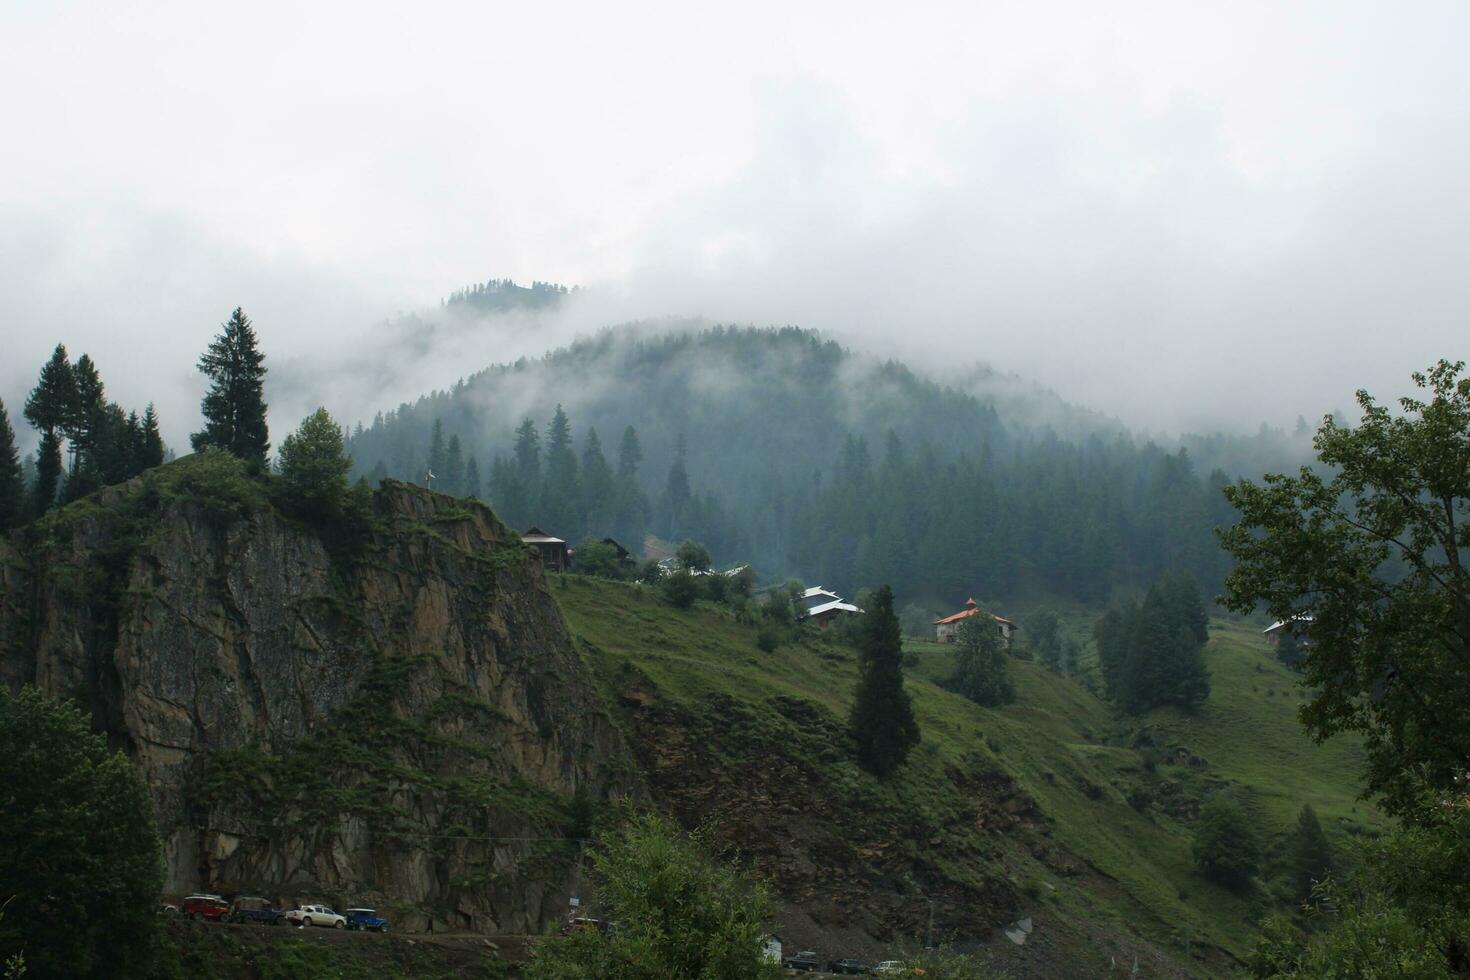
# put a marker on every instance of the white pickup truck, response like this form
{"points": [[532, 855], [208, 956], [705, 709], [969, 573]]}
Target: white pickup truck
{"points": [[316, 915]]}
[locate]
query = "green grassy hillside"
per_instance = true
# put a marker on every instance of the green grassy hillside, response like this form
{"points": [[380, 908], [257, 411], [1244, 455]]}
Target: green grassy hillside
{"points": [[1053, 807]]}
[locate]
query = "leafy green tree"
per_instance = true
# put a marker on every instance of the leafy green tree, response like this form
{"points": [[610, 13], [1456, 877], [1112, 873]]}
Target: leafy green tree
{"points": [[693, 556], [1372, 552], [601, 559], [80, 859], [981, 672], [314, 467], [12, 484], [679, 913], [777, 607], [1311, 854], [1403, 911], [882, 719], [680, 588], [234, 407], [1225, 846]]}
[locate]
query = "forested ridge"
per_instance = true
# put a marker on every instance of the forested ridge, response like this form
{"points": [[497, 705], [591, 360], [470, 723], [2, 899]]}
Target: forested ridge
{"points": [[782, 448]]}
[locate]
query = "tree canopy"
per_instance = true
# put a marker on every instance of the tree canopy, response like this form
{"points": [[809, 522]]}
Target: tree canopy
{"points": [[679, 913], [80, 860], [1368, 555], [1226, 846], [313, 467], [981, 671]]}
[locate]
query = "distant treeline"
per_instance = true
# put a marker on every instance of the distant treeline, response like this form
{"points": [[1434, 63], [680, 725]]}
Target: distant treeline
{"points": [[783, 449], [499, 295]]}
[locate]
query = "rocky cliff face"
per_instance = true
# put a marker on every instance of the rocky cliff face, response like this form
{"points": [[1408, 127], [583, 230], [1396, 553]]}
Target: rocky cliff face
{"points": [[397, 719]]}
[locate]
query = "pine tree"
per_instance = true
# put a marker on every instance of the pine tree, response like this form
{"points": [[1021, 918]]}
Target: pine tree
{"points": [[631, 520], [598, 496], [436, 456], [86, 430], [882, 719], [454, 468], [521, 486], [49, 407], [234, 407], [1311, 854], [472, 486], [12, 485], [560, 492], [48, 472], [152, 450], [675, 502]]}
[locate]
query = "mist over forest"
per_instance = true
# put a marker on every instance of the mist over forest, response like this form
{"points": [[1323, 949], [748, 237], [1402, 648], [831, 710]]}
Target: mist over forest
{"points": [[590, 491]]}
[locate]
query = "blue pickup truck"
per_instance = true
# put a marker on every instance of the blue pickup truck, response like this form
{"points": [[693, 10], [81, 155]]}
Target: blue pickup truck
{"points": [[366, 919], [248, 908]]}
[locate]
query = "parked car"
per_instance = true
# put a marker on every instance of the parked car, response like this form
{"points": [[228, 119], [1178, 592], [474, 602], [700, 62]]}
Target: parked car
{"points": [[168, 908], [805, 960], [366, 919], [250, 908], [853, 967], [892, 968], [316, 915], [212, 907]]}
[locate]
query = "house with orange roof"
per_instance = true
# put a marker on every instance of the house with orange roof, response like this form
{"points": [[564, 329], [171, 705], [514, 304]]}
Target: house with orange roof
{"points": [[947, 630]]}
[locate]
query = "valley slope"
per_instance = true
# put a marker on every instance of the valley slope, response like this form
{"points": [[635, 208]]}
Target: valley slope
{"points": [[1053, 807]]}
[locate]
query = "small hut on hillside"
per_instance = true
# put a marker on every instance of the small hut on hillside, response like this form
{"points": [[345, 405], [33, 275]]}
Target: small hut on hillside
{"points": [[554, 555], [947, 630]]}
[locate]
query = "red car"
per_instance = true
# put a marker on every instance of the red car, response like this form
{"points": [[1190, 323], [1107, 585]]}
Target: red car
{"points": [[211, 907]]}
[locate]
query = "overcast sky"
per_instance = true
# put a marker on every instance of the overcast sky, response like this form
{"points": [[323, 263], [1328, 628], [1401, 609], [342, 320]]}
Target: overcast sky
{"points": [[1181, 214]]}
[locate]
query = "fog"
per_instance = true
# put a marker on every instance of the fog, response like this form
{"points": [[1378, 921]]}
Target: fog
{"points": [[1185, 218]]}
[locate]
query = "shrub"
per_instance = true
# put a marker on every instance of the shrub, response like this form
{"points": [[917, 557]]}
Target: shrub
{"points": [[681, 589], [768, 637]]}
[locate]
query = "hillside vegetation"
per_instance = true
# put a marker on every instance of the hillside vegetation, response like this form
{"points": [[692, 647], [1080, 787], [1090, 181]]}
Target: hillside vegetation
{"points": [[1052, 807], [787, 450]]}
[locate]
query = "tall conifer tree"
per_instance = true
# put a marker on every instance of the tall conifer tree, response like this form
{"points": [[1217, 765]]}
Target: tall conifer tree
{"points": [[234, 407], [454, 468], [675, 502], [436, 452], [560, 494], [12, 486], [472, 487], [152, 450], [882, 719], [50, 406], [598, 495]]}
